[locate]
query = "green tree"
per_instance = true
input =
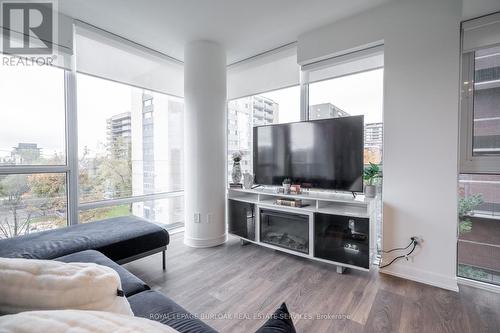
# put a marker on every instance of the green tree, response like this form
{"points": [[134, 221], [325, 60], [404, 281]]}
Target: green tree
{"points": [[12, 190]]}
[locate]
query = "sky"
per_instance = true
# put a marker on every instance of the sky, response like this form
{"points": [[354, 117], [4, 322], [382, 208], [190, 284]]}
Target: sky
{"points": [[32, 104], [358, 94]]}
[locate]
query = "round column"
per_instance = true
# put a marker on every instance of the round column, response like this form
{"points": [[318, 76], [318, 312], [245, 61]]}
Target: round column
{"points": [[204, 142]]}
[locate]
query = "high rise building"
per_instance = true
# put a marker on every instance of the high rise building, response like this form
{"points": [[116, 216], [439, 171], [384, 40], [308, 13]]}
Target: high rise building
{"points": [[243, 115], [118, 131], [157, 148]]}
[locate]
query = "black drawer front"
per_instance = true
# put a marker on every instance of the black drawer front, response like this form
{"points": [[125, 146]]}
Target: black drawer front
{"points": [[241, 219], [342, 239]]}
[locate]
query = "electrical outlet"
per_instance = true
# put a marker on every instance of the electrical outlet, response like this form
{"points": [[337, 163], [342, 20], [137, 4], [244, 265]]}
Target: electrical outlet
{"points": [[197, 218], [209, 217], [418, 240]]}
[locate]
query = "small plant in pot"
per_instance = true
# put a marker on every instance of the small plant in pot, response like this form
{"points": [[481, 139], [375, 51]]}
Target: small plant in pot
{"points": [[370, 174]]}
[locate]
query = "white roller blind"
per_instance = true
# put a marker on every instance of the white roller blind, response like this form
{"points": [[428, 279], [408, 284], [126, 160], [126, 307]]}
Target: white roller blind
{"points": [[102, 54], [481, 32], [270, 71], [356, 62]]}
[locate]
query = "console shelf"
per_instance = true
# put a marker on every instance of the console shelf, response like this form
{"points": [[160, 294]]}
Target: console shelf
{"points": [[339, 229]]}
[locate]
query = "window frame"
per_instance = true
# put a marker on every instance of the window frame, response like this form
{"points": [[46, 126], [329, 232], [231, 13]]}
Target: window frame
{"points": [[468, 162]]}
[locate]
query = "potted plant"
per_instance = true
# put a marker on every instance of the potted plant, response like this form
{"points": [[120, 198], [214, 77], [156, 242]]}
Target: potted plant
{"points": [[370, 174], [466, 208], [236, 173]]}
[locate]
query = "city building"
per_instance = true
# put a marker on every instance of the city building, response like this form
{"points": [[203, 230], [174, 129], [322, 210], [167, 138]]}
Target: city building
{"points": [[374, 138], [157, 148], [325, 110], [243, 115], [25, 153], [118, 132]]}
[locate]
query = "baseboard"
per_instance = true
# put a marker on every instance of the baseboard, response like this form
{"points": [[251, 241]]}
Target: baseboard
{"points": [[418, 275], [478, 284], [204, 242]]}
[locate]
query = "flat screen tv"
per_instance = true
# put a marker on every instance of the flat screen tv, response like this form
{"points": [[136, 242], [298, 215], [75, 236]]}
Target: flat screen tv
{"points": [[323, 154]]}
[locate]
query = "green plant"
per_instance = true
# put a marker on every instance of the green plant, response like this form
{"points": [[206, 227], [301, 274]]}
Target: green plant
{"points": [[466, 206], [371, 173]]}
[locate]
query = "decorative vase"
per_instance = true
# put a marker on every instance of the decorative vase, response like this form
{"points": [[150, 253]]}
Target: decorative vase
{"points": [[247, 180], [370, 191], [236, 174]]}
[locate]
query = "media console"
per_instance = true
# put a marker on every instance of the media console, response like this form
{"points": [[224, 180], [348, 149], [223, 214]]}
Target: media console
{"points": [[333, 228]]}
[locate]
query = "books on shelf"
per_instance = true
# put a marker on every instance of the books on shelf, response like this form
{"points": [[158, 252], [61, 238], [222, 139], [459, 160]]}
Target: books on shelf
{"points": [[289, 202]]}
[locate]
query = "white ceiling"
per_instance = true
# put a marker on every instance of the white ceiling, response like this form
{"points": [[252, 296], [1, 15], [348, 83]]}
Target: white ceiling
{"points": [[244, 27]]}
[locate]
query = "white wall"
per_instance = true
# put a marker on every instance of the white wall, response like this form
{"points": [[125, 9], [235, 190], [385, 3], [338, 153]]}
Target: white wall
{"points": [[421, 79], [475, 8]]}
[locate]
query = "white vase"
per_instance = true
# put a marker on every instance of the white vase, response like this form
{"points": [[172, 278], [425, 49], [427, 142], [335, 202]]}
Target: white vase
{"points": [[236, 174]]}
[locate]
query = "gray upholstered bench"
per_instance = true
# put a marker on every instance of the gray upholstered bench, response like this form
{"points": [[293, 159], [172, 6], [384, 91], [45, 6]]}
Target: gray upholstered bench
{"points": [[122, 239]]}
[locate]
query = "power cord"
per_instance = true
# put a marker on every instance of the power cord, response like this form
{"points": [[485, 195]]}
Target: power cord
{"points": [[414, 241], [399, 248]]}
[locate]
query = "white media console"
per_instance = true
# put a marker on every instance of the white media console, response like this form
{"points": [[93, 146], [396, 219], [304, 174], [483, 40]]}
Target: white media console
{"points": [[335, 228]]}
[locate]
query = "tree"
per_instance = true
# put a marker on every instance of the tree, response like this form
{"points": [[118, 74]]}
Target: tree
{"points": [[12, 189]]}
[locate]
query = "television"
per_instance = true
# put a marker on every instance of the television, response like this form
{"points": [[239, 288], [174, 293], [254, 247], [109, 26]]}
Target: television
{"points": [[323, 154]]}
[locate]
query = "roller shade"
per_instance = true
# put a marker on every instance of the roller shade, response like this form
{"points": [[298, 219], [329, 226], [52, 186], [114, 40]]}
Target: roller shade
{"points": [[273, 70], [108, 56], [481, 32], [356, 62]]}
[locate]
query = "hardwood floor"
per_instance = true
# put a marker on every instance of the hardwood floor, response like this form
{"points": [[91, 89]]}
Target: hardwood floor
{"points": [[232, 287]]}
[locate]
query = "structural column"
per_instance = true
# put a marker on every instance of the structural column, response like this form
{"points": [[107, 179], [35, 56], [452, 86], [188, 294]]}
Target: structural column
{"points": [[204, 140]]}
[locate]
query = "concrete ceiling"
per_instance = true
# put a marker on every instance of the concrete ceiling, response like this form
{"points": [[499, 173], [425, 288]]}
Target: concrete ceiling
{"points": [[244, 27]]}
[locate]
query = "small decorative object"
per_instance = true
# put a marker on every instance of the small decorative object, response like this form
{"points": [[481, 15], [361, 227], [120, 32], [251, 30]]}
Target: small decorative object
{"points": [[235, 185], [370, 174], [295, 189], [236, 174], [247, 180], [287, 183]]}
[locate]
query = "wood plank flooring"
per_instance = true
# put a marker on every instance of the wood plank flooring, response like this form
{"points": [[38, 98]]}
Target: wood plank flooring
{"points": [[235, 286]]}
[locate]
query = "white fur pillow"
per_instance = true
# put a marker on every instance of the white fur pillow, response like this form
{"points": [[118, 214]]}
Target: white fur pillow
{"points": [[78, 321], [29, 284]]}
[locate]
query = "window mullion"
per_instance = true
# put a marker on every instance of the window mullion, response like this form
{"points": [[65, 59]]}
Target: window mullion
{"points": [[72, 140]]}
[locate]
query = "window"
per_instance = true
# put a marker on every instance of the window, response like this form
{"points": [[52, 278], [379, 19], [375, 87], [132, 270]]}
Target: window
{"points": [[31, 203], [279, 106], [479, 180], [479, 227], [480, 102], [32, 120], [351, 95], [128, 149], [33, 168]]}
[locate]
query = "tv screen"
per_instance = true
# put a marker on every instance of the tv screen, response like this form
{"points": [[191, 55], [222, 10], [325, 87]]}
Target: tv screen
{"points": [[325, 154]]}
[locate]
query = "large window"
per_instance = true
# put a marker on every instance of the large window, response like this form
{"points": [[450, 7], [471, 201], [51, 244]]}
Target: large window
{"points": [[274, 107], [32, 149], [100, 136], [130, 145], [479, 179]]}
